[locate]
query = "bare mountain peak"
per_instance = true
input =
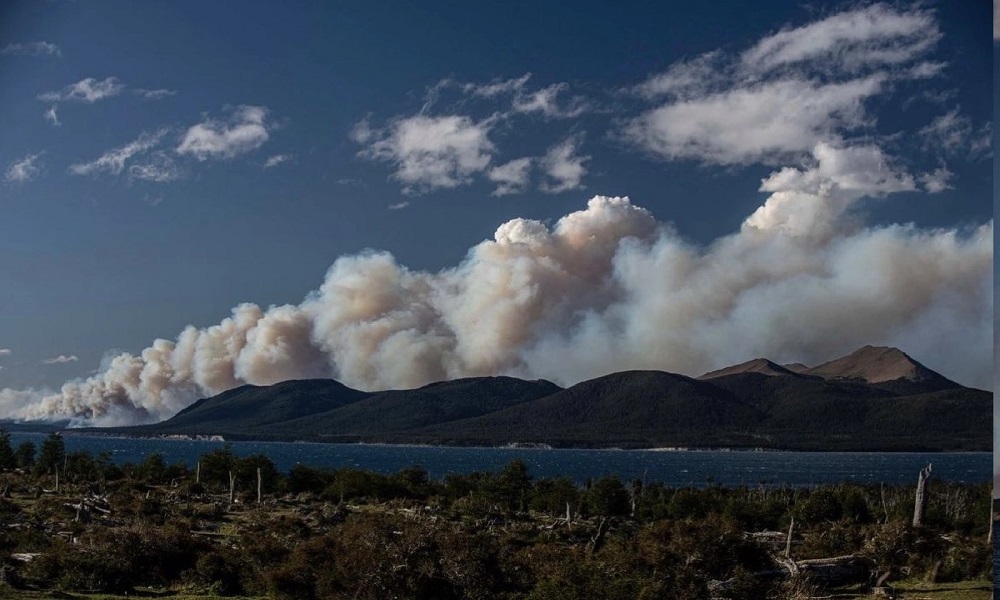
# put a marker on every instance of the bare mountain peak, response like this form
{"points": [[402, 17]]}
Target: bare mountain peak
{"points": [[797, 367], [875, 364], [757, 365]]}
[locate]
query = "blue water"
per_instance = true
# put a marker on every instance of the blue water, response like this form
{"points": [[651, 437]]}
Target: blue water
{"points": [[676, 468]]}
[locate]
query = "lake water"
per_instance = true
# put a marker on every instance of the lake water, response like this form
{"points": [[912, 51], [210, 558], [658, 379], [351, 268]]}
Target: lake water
{"points": [[676, 468]]}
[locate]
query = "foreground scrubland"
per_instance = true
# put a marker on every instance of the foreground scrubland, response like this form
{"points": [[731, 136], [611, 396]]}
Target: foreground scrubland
{"points": [[157, 529]]}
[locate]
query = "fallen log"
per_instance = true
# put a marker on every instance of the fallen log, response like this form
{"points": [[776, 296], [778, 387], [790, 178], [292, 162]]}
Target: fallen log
{"points": [[837, 570]]}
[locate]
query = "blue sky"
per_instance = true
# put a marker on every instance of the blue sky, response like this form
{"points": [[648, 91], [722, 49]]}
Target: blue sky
{"points": [[164, 163]]}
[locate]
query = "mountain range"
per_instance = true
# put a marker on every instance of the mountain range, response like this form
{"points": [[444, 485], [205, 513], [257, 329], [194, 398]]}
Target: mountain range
{"points": [[876, 398]]}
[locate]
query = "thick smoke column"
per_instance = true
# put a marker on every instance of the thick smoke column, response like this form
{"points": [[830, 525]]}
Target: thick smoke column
{"points": [[607, 288]]}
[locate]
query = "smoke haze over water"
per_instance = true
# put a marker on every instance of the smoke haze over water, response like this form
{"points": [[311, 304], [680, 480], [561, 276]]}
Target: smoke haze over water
{"points": [[605, 289]]}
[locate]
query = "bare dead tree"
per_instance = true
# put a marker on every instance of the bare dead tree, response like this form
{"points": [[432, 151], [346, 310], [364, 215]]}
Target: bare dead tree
{"points": [[920, 503]]}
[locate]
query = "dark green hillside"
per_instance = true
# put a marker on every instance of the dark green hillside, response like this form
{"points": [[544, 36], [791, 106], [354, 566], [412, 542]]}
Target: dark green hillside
{"points": [[251, 406], [632, 408], [873, 399], [399, 410]]}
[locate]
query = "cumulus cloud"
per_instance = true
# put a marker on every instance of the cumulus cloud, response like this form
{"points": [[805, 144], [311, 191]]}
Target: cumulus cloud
{"points": [[31, 49], [61, 359], [245, 130], [113, 161], [810, 200], [563, 167], [430, 152], [511, 177], [24, 169], [277, 159], [5, 352], [87, 90], [52, 116]]}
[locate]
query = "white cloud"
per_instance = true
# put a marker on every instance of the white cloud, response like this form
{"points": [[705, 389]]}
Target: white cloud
{"points": [[398, 206], [5, 352], [61, 359], [875, 35], [808, 201], [996, 20], [952, 133], [155, 94], [788, 92], [564, 168], [32, 49], [160, 168], [546, 101], [277, 159], [245, 130], [511, 177], [87, 90], [24, 169], [52, 116], [113, 161], [760, 123], [492, 89], [686, 78], [430, 152], [938, 180]]}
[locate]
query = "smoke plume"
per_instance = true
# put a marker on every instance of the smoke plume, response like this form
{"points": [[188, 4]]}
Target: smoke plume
{"points": [[607, 288]]}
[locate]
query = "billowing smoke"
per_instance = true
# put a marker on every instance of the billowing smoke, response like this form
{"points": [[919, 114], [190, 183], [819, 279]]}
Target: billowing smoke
{"points": [[607, 288]]}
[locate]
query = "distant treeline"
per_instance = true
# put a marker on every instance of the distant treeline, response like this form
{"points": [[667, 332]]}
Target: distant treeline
{"points": [[346, 532]]}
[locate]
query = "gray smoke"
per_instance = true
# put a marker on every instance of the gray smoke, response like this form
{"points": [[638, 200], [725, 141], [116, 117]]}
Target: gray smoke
{"points": [[605, 289]]}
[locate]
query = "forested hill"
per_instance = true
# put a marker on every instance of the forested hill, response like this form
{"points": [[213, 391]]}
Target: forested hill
{"points": [[872, 399]]}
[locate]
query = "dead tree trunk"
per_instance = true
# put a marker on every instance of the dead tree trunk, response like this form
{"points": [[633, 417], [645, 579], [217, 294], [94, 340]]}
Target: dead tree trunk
{"points": [[57, 479], [788, 540], [258, 485], [197, 473], [232, 487], [989, 536], [920, 502]]}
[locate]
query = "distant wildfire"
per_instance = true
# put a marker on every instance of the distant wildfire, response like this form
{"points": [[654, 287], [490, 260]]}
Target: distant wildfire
{"points": [[605, 289]]}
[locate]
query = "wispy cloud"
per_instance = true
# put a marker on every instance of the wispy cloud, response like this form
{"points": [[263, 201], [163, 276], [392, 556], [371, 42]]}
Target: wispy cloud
{"points": [[996, 20], [952, 133], [853, 40], [52, 116], [544, 100], [430, 152], [5, 352], [245, 129], [31, 49], [159, 168], [786, 93], [398, 206], [61, 359], [277, 159], [155, 94], [511, 177], [938, 180], [87, 90], [113, 161], [563, 167], [25, 169]]}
